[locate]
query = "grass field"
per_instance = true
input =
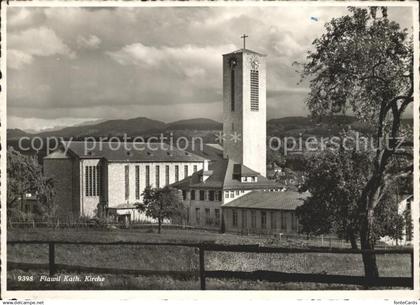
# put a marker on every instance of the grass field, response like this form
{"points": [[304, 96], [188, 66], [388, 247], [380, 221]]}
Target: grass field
{"points": [[166, 258]]}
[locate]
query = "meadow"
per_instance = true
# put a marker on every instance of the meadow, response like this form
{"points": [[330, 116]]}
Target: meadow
{"points": [[169, 258]]}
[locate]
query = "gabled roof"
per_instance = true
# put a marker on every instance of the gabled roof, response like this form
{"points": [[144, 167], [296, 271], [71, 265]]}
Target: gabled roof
{"points": [[288, 200], [217, 169], [208, 151], [221, 176], [243, 171], [234, 184], [130, 152]]}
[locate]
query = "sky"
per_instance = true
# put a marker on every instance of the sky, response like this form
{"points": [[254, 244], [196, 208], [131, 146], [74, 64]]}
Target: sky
{"points": [[67, 66]]}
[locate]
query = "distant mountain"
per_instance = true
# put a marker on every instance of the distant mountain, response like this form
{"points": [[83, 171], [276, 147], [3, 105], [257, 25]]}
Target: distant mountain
{"points": [[281, 127], [195, 124], [131, 127], [16, 133]]}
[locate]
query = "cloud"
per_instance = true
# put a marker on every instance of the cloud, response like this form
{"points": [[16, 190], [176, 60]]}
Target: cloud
{"points": [[163, 63], [184, 56], [17, 59], [90, 42], [40, 41]]}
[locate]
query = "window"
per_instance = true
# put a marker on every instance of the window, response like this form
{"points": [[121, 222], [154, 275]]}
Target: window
{"points": [[137, 182], [195, 168], [263, 220], [226, 194], [232, 90], [294, 221], [92, 180], [254, 90], [244, 219], [193, 195], [185, 171], [127, 182], [232, 194], [237, 193], [273, 220], [184, 194], [234, 218], [157, 176], [283, 220], [201, 195], [217, 217], [211, 195], [253, 219], [218, 195], [176, 173], [197, 216], [147, 175], [167, 175], [207, 214]]}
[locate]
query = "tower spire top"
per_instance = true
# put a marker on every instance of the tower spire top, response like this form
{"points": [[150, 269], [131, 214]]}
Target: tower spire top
{"points": [[244, 37]]}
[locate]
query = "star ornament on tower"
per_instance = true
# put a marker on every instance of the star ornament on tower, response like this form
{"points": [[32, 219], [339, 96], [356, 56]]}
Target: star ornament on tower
{"points": [[235, 137], [220, 137]]}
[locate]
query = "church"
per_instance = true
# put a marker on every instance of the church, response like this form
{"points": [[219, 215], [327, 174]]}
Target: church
{"points": [[223, 186]]}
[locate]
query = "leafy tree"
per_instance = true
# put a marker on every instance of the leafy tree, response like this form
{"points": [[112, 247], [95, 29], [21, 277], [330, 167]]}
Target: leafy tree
{"points": [[161, 204], [24, 175], [364, 63]]}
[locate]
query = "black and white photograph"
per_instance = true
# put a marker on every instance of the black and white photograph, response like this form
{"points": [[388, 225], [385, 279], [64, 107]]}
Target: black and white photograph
{"points": [[210, 146]]}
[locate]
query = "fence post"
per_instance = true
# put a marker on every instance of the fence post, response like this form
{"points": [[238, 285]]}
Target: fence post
{"points": [[202, 270], [51, 260], [412, 265]]}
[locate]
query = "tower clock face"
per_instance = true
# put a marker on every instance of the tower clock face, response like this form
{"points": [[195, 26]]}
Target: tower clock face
{"points": [[254, 63]]}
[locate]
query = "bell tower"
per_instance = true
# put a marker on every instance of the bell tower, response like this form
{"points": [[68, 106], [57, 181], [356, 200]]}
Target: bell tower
{"points": [[244, 108]]}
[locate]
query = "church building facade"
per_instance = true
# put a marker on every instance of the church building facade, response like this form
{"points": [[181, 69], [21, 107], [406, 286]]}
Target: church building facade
{"points": [[224, 187]]}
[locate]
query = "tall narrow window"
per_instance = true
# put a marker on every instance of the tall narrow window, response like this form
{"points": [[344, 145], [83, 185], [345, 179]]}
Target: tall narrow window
{"points": [[232, 89], [273, 220], [157, 176], [263, 219], [176, 173], [283, 220], [93, 180], [253, 219], [193, 195], [294, 221], [254, 90], [147, 175], [167, 175], [185, 171], [207, 217], [216, 217], [195, 168], [244, 219], [127, 182], [87, 180], [137, 182], [211, 195], [98, 181], [197, 216]]}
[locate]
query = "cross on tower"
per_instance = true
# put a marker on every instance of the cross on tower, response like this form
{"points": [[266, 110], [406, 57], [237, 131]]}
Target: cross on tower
{"points": [[244, 36]]}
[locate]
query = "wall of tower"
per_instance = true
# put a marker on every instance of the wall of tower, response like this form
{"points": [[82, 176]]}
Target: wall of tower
{"points": [[254, 122], [232, 120], [251, 125]]}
